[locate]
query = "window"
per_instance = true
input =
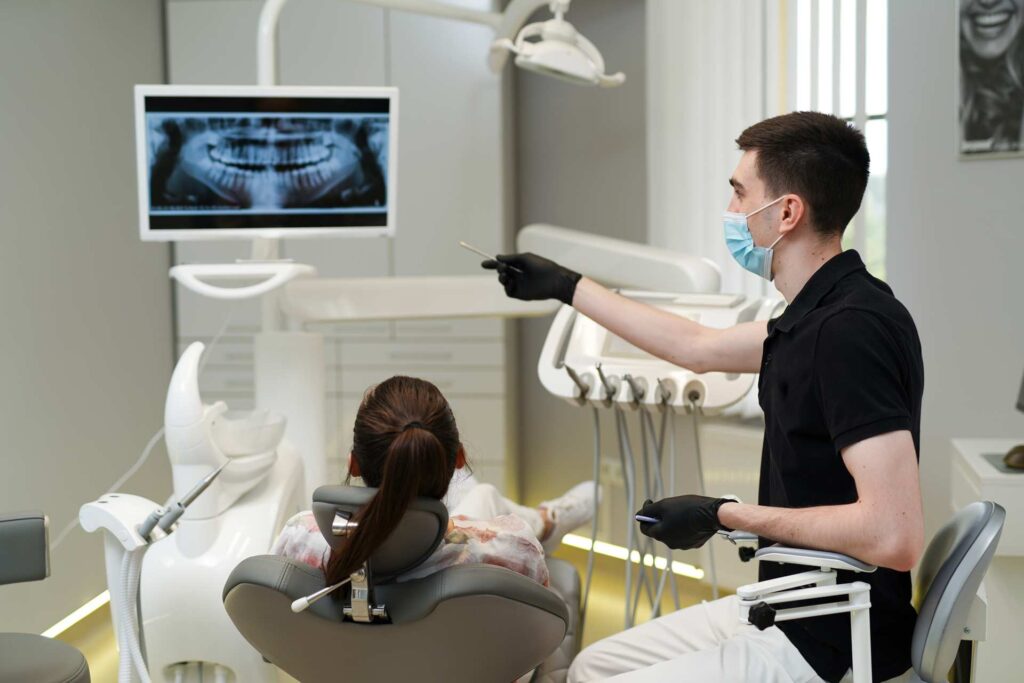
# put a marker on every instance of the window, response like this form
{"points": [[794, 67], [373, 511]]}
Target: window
{"points": [[841, 65]]}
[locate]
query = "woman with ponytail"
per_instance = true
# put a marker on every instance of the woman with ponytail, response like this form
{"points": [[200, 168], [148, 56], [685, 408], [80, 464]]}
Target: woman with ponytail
{"points": [[406, 444]]}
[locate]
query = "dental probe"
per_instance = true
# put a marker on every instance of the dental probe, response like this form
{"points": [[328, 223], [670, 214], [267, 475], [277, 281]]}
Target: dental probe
{"points": [[473, 249], [645, 519]]}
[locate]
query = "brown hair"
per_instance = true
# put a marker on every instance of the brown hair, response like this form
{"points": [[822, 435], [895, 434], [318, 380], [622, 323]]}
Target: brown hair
{"points": [[406, 444], [818, 156]]}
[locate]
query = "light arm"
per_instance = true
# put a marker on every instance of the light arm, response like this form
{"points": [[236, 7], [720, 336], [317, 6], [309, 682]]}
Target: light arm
{"points": [[670, 337], [885, 526], [505, 25]]}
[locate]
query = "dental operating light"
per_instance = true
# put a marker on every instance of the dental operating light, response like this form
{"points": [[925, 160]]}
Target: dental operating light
{"points": [[561, 52]]}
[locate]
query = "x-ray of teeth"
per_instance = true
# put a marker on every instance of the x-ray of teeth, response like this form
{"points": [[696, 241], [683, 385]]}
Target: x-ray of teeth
{"points": [[270, 163]]}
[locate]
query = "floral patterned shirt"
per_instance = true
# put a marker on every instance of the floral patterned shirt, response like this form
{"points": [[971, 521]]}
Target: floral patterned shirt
{"points": [[504, 541]]}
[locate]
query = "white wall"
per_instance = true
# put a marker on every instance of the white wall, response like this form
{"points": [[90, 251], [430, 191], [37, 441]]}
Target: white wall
{"points": [[954, 244], [86, 306]]}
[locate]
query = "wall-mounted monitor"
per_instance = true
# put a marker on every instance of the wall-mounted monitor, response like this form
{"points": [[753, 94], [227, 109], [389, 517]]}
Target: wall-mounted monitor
{"points": [[219, 162]]}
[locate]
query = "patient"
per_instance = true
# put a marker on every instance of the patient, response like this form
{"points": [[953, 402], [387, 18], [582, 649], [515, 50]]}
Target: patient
{"points": [[406, 444]]}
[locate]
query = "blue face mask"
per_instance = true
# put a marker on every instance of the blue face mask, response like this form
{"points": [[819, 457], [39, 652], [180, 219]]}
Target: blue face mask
{"points": [[739, 241]]}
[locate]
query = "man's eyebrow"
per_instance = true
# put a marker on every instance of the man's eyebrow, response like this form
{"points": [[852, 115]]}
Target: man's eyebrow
{"points": [[737, 185]]}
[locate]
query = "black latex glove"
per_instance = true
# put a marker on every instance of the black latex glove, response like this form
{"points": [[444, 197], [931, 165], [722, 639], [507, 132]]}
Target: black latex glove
{"points": [[686, 521], [531, 278]]}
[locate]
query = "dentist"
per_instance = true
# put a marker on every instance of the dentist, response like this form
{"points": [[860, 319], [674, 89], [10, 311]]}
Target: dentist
{"points": [[841, 380]]}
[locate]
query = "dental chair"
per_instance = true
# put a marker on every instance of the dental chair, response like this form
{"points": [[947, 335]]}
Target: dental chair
{"points": [[951, 616], [25, 556], [473, 623]]}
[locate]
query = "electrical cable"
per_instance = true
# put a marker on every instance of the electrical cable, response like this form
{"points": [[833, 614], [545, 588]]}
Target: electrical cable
{"points": [[659, 445], [648, 547], [593, 525], [150, 445], [627, 473], [671, 492], [700, 481], [628, 460], [644, 543]]}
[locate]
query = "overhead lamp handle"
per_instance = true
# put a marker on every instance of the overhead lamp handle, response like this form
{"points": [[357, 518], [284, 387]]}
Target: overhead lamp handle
{"points": [[611, 81]]}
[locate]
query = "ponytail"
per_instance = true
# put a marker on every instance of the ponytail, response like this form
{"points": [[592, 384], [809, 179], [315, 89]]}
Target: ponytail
{"points": [[415, 464]]}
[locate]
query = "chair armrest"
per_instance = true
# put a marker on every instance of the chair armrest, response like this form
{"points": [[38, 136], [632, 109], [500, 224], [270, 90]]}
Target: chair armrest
{"points": [[813, 558], [24, 547], [737, 536]]}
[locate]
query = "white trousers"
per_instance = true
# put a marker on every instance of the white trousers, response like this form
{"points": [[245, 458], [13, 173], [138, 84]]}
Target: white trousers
{"points": [[705, 643], [467, 496]]}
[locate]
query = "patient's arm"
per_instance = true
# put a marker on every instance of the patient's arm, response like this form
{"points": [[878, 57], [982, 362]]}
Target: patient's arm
{"points": [[670, 337], [884, 527], [503, 541], [300, 540]]}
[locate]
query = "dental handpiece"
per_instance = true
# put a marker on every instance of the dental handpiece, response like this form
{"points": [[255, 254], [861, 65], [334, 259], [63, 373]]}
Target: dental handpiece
{"points": [[470, 247], [644, 519], [177, 509]]}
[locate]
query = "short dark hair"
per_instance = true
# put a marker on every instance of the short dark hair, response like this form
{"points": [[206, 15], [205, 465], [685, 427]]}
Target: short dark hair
{"points": [[818, 156]]}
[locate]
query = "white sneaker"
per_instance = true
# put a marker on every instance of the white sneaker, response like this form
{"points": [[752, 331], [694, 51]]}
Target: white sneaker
{"points": [[572, 509]]}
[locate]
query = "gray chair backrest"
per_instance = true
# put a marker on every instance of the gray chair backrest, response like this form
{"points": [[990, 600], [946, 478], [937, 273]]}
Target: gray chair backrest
{"points": [[24, 547], [947, 580], [414, 539], [507, 622]]}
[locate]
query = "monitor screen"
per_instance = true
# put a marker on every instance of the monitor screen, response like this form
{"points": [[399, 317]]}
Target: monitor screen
{"points": [[229, 161]]}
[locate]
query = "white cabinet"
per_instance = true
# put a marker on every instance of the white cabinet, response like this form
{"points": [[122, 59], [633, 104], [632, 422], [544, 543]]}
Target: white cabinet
{"points": [[452, 176], [978, 474]]}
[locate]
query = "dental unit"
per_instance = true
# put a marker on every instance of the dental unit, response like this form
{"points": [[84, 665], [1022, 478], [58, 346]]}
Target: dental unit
{"points": [[249, 482], [588, 366]]}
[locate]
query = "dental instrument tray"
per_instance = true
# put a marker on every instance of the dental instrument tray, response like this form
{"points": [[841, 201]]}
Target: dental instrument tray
{"points": [[583, 362]]}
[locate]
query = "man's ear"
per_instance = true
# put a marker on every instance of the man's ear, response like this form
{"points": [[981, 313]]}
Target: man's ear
{"points": [[460, 458], [793, 210], [353, 466]]}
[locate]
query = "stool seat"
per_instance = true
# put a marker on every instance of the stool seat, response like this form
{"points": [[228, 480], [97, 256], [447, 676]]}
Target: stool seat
{"points": [[28, 657]]}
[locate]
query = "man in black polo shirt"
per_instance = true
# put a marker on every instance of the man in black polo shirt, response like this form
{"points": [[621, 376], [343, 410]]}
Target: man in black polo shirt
{"points": [[841, 379]]}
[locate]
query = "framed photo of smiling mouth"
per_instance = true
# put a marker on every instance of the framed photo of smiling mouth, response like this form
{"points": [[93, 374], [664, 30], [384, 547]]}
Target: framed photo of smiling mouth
{"points": [[991, 78]]}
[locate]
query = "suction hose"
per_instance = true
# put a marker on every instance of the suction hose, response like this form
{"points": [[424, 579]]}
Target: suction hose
{"points": [[593, 523], [700, 480], [132, 666]]}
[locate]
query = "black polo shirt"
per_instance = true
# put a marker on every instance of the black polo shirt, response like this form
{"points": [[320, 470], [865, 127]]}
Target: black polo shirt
{"points": [[841, 364]]}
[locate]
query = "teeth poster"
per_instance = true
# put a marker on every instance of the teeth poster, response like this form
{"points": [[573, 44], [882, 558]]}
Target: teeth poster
{"points": [[991, 77]]}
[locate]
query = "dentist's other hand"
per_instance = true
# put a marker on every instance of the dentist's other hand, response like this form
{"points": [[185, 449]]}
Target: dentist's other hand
{"points": [[531, 278], [685, 521]]}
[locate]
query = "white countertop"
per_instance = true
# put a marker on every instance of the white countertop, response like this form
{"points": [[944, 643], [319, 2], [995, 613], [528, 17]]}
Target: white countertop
{"points": [[975, 477]]}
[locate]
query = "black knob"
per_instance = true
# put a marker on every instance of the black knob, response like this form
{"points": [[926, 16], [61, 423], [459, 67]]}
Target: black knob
{"points": [[747, 553], [761, 615]]}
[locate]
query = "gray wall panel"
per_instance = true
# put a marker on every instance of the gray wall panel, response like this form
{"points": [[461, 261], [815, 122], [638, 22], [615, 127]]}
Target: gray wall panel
{"points": [[87, 306]]}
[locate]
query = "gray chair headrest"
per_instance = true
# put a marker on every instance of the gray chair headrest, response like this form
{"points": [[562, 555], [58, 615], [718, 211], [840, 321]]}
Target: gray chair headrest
{"points": [[414, 539], [948, 578]]}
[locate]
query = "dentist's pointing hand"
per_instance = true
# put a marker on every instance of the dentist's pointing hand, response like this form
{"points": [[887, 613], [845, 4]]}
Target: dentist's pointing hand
{"points": [[531, 278]]}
